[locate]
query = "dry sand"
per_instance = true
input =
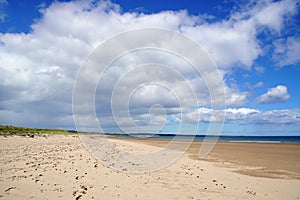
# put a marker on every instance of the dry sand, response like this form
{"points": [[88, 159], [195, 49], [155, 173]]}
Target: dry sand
{"points": [[59, 167]]}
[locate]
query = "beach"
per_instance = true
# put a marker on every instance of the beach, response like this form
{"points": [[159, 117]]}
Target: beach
{"points": [[60, 167]]}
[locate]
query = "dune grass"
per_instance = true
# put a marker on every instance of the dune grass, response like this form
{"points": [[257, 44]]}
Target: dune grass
{"points": [[12, 130]]}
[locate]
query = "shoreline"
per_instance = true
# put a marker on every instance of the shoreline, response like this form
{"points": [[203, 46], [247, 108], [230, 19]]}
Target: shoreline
{"points": [[224, 138], [273, 160], [59, 167], [280, 160]]}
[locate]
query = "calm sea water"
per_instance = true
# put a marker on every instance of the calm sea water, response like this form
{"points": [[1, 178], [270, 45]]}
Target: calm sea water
{"points": [[270, 139]]}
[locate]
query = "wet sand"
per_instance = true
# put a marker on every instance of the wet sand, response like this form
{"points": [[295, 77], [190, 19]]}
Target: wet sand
{"points": [[281, 160], [59, 167]]}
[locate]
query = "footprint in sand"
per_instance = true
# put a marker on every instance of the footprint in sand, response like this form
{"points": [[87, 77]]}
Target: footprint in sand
{"points": [[251, 192], [10, 188]]}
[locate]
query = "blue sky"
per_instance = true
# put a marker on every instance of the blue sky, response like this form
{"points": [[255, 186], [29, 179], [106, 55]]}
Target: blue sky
{"points": [[255, 45]]}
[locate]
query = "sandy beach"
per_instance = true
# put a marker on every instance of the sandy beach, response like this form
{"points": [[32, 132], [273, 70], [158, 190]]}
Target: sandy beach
{"points": [[59, 167]]}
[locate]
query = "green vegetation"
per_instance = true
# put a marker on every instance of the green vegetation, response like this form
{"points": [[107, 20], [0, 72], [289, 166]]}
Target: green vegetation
{"points": [[12, 130]]}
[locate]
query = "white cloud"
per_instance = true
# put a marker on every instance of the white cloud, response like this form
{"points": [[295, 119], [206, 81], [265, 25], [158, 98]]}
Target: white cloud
{"points": [[234, 42], [3, 5], [273, 14], [208, 115], [257, 85], [287, 51], [223, 40], [236, 99], [39, 68], [274, 95], [245, 116], [259, 69]]}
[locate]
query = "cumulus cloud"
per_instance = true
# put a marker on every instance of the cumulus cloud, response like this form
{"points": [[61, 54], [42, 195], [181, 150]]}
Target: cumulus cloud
{"points": [[274, 95], [287, 51], [236, 98], [223, 40], [272, 14], [245, 116], [39, 68]]}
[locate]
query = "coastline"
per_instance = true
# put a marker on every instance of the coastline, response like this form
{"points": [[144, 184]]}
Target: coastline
{"points": [[274, 160], [59, 167]]}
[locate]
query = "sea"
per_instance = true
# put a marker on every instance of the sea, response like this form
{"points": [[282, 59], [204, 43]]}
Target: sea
{"points": [[258, 139]]}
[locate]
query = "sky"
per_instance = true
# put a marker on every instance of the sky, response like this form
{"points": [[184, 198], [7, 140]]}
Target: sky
{"points": [[255, 46]]}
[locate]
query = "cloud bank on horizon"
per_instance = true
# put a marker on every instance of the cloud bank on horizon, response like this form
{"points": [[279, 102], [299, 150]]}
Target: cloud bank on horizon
{"points": [[255, 41]]}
